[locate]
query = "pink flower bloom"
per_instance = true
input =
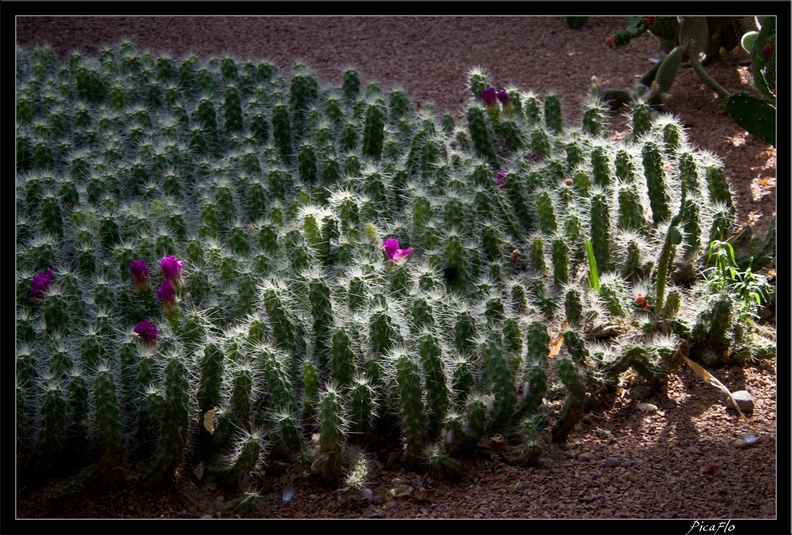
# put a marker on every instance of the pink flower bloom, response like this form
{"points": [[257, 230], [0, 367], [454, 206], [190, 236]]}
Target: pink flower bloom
{"points": [[514, 255], [641, 301], [148, 332], [500, 178], [172, 270], [167, 293], [40, 284], [396, 255], [489, 96], [140, 273]]}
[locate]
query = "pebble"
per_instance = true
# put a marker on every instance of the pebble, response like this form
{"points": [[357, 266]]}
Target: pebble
{"points": [[610, 462], [641, 392], [647, 407], [585, 456], [744, 400]]}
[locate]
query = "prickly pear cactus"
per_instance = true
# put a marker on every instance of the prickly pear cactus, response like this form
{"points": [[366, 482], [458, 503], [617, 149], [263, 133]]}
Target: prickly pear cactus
{"points": [[218, 261]]}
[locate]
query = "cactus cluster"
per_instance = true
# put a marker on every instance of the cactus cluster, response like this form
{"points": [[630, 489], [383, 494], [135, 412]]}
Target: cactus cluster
{"points": [[333, 261]]}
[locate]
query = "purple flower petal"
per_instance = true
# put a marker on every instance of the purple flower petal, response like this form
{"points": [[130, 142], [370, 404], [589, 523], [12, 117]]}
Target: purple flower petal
{"points": [[171, 268], [489, 96], [166, 292], [41, 283], [148, 332], [390, 246], [139, 271]]}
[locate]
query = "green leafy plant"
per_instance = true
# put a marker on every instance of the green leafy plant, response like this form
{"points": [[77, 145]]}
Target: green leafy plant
{"points": [[725, 273], [593, 273]]}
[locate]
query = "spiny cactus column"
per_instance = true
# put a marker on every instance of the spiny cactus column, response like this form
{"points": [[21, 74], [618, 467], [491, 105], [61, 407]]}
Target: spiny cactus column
{"points": [[108, 418], [437, 393], [408, 386], [656, 182], [502, 379], [246, 458], [573, 407], [175, 422], [332, 425]]}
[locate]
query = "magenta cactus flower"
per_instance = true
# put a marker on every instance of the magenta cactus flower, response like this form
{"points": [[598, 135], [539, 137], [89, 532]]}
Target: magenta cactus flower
{"points": [[768, 49], [500, 178], [172, 271], [489, 96], [148, 332], [40, 284], [140, 273], [167, 293], [396, 255], [503, 97]]}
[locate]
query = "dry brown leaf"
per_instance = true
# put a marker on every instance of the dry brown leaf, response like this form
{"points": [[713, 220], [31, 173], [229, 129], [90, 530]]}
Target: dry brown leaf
{"points": [[555, 344], [209, 420], [704, 374]]}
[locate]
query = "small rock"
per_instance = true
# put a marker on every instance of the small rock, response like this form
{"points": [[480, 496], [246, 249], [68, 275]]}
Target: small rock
{"points": [[641, 392], [745, 441], [647, 407], [744, 400], [585, 456], [610, 462], [401, 490], [372, 512]]}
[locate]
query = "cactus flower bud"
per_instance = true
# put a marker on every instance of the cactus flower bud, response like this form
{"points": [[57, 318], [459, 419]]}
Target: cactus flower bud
{"points": [[148, 332], [141, 274], [172, 270], [500, 178], [41, 283], [650, 21], [767, 49], [610, 41], [503, 98], [514, 255], [641, 301], [533, 156], [167, 294], [396, 255], [489, 96]]}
